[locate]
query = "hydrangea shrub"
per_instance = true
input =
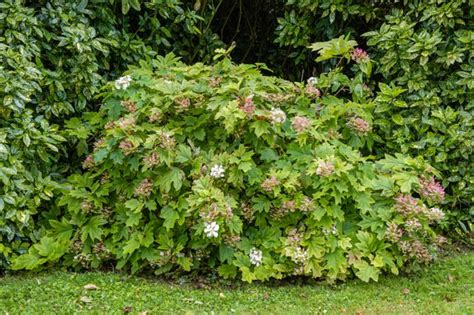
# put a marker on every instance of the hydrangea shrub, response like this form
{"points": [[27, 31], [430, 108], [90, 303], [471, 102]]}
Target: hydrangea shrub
{"points": [[220, 168]]}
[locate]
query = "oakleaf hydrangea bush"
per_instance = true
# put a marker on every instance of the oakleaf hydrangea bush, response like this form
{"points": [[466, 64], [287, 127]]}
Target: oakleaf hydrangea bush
{"points": [[222, 169]]}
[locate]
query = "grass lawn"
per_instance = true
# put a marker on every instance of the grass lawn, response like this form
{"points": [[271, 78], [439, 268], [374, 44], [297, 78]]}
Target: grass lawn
{"points": [[444, 288]]}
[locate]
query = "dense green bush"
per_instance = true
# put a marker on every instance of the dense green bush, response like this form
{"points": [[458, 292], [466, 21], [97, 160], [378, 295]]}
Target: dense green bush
{"points": [[423, 54], [55, 55], [426, 53], [219, 167]]}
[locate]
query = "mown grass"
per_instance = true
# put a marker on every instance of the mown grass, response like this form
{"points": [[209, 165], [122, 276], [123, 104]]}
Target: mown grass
{"points": [[444, 288]]}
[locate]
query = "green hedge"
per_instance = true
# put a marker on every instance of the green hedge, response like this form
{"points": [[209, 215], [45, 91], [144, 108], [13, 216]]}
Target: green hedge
{"points": [[56, 55]]}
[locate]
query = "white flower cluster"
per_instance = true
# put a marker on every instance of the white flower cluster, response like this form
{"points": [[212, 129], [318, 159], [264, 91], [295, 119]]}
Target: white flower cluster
{"points": [[123, 83], [217, 171], [312, 81], [435, 214], [300, 256], [256, 256], [278, 116], [332, 230], [211, 229]]}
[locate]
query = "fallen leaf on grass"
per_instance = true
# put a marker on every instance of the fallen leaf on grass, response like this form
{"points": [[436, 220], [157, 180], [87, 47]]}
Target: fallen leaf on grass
{"points": [[85, 299], [90, 286], [450, 278], [127, 309]]}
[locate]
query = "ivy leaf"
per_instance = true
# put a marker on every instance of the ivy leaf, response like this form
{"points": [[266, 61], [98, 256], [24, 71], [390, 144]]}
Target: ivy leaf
{"points": [[364, 202], [183, 154], [131, 245], [260, 127], [406, 181], [247, 275], [61, 229], [333, 48], [235, 225], [336, 261], [26, 140], [385, 184], [100, 155], [173, 176], [262, 204], [133, 218], [227, 271], [125, 6], [51, 248], [226, 253], [268, 155], [184, 262], [92, 228], [245, 166], [134, 205], [366, 272], [27, 261], [170, 215]]}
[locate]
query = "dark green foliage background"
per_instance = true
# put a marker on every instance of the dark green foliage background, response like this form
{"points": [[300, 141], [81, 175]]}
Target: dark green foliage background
{"points": [[55, 56]]}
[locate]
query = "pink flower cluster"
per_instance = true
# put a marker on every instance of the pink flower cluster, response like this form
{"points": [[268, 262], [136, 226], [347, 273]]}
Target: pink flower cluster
{"points": [[325, 168], [247, 212], [248, 107], [87, 206], [300, 123], [88, 162], [312, 91], [154, 116], [232, 240], [393, 233], [126, 146], [307, 205], [269, 183], [129, 106], [359, 55], [431, 190], [359, 125], [406, 205], [152, 159], [289, 205], [213, 82], [413, 225], [183, 104], [104, 178], [99, 143], [416, 249], [144, 189], [126, 123], [167, 141], [294, 237], [100, 251], [212, 212]]}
